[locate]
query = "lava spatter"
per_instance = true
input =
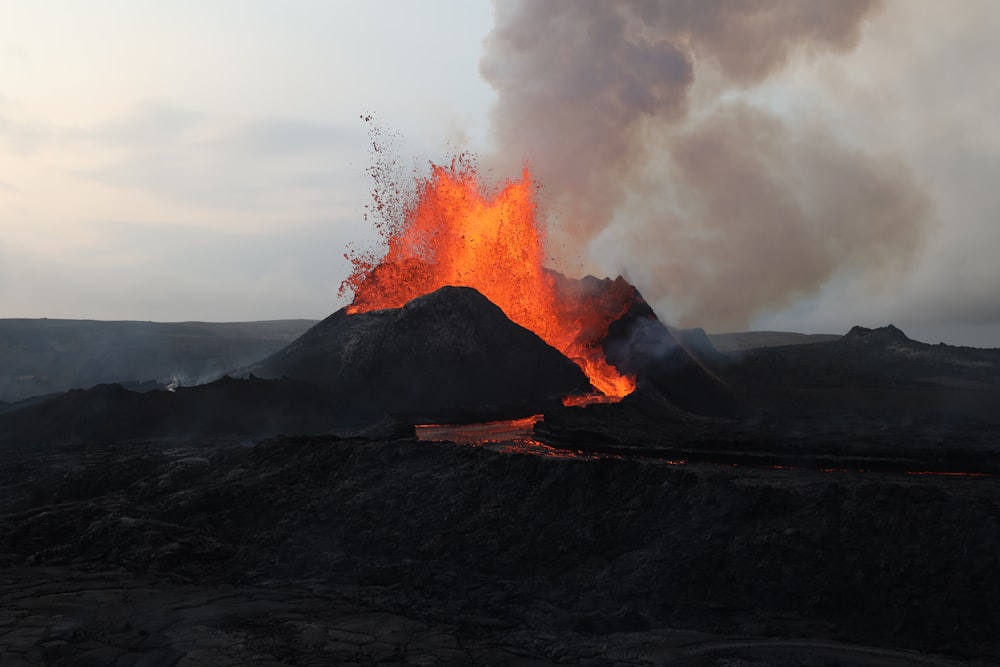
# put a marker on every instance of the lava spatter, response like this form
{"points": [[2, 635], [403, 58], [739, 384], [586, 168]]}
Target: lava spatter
{"points": [[452, 230]]}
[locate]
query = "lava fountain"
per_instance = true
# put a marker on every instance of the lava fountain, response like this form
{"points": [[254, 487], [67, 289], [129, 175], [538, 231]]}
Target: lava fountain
{"points": [[454, 231]]}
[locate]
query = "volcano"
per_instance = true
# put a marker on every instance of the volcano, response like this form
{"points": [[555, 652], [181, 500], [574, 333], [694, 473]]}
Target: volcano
{"points": [[456, 231], [454, 356], [448, 355]]}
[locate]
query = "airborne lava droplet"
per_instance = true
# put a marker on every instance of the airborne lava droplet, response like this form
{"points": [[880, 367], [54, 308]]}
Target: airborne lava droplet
{"points": [[454, 231]]}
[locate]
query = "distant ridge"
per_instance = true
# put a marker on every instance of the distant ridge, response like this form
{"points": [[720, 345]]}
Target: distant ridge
{"points": [[885, 358], [45, 356], [750, 340]]}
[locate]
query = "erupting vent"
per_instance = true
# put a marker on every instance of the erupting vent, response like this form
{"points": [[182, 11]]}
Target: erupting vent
{"points": [[457, 233]]}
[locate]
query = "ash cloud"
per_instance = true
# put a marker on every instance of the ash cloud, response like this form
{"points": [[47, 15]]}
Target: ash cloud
{"points": [[634, 118]]}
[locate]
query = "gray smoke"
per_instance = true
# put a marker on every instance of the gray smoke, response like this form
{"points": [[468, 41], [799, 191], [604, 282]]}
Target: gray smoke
{"points": [[721, 209]]}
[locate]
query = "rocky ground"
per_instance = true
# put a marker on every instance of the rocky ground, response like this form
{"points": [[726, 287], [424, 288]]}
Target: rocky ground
{"points": [[326, 551], [59, 616], [828, 503]]}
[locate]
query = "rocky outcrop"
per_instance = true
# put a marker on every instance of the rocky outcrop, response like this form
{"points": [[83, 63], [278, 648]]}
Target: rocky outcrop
{"points": [[880, 336]]}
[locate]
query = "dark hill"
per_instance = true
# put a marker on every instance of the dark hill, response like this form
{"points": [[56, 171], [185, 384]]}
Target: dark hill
{"points": [[447, 355], [727, 343], [880, 336], [46, 356], [872, 371], [639, 344], [697, 342], [884, 356]]}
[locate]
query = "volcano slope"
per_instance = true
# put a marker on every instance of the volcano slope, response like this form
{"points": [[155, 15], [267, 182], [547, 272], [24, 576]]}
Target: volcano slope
{"points": [[445, 356]]}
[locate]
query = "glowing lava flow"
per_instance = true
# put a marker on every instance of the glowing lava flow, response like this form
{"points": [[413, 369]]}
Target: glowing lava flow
{"points": [[454, 233]]}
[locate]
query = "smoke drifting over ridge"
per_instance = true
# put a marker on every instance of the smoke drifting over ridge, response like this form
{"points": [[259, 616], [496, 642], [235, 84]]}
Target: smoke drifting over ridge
{"points": [[629, 115]]}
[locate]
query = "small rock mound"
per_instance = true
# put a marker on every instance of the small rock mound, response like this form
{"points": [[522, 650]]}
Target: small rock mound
{"points": [[880, 336]]}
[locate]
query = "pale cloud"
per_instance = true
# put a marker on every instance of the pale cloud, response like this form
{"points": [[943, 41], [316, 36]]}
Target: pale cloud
{"points": [[192, 160], [151, 123], [13, 55], [135, 212], [21, 135], [272, 138], [169, 273], [933, 103], [201, 160]]}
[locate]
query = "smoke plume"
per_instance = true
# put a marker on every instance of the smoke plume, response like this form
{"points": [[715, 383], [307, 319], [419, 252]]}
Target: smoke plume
{"points": [[628, 114]]}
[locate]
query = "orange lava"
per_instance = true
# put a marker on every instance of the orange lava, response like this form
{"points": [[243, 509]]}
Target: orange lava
{"points": [[456, 233], [480, 433], [577, 401], [512, 436]]}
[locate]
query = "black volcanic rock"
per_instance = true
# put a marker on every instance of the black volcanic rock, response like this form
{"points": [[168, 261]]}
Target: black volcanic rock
{"points": [[639, 343], [872, 372], [698, 344], [877, 357], [738, 342], [880, 336], [226, 407], [448, 355], [570, 556]]}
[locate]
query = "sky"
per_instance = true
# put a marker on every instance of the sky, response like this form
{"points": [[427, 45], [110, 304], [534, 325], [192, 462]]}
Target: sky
{"points": [[206, 161]]}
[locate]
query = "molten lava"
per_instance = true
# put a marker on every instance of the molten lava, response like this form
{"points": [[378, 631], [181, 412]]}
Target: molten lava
{"points": [[455, 233]]}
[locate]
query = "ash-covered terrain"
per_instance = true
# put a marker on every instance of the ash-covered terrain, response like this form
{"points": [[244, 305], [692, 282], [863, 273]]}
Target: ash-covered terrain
{"points": [[826, 503]]}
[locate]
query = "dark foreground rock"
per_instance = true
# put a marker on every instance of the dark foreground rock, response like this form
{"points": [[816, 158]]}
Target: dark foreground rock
{"points": [[437, 551], [229, 407], [119, 618]]}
